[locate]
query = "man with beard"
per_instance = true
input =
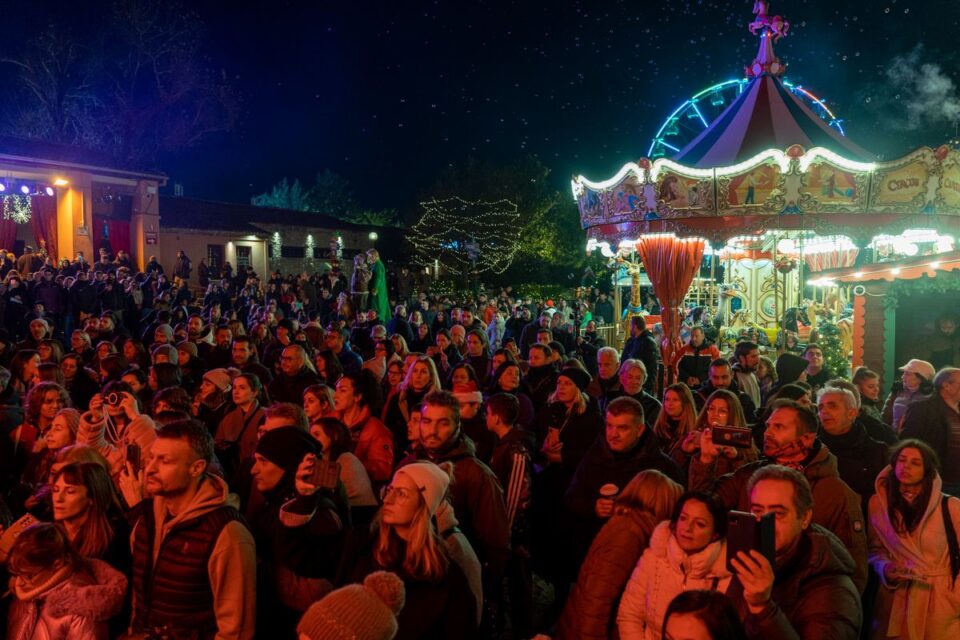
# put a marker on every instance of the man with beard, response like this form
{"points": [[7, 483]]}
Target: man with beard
{"points": [[220, 355], [194, 562], [334, 341], [196, 335], [747, 356], [295, 376], [477, 497], [529, 334], [791, 440], [721, 376], [244, 357]]}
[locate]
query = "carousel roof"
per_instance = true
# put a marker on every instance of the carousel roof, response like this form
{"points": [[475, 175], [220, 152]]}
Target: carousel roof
{"points": [[767, 115]]}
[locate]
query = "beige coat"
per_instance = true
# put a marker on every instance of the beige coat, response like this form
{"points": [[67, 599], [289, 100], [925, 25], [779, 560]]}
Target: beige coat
{"points": [[915, 610]]}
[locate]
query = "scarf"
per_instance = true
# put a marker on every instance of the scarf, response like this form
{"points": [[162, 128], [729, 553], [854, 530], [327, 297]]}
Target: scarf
{"points": [[794, 455]]}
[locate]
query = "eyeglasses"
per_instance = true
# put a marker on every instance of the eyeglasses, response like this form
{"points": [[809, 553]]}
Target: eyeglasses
{"points": [[399, 494]]}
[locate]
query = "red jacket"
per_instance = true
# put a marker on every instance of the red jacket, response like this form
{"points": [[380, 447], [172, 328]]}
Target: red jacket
{"points": [[374, 448]]}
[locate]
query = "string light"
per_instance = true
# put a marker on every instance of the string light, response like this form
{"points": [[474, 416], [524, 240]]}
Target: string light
{"points": [[17, 208], [468, 235]]}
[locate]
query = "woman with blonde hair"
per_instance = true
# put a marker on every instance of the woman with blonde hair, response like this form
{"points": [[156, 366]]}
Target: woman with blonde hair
{"points": [[703, 459], [400, 346], [421, 378], [647, 500], [439, 601], [677, 418]]}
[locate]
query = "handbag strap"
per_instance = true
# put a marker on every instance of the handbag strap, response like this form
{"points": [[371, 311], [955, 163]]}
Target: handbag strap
{"points": [[953, 545]]}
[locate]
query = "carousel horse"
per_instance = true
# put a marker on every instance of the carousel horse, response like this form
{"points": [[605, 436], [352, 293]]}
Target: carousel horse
{"points": [[777, 25]]}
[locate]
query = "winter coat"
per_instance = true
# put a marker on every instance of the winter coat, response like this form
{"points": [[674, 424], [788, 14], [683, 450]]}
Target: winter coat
{"points": [[836, 507], [593, 601], [373, 446], [645, 348], [699, 474], [813, 595], [141, 431], [495, 331], [896, 405], [461, 552], [915, 610], [928, 420], [691, 361], [77, 608], [663, 572], [859, 459], [290, 389], [231, 566], [477, 501]]}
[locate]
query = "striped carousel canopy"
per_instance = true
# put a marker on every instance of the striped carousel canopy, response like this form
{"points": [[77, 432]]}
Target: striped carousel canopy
{"points": [[766, 115]]}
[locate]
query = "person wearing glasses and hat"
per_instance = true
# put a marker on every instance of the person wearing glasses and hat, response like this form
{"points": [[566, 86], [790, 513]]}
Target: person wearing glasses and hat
{"points": [[915, 384]]}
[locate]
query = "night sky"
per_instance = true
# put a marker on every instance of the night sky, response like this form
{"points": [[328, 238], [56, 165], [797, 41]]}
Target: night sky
{"points": [[388, 93]]}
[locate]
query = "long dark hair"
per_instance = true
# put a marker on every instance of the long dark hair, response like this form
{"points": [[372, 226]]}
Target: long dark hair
{"points": [[713, 609], [904, 516], [96, 533]]}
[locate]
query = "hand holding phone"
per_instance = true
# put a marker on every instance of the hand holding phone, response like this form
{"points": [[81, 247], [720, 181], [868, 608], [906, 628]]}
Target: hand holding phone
{"points": [[746, 532], [133, 457]]}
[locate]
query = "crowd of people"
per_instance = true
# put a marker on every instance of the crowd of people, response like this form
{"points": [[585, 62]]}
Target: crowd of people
{"points": [[274, 458]]}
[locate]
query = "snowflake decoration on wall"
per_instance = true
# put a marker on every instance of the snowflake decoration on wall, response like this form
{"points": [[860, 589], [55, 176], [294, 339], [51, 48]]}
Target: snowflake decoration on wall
{"points": [[17, 208]]}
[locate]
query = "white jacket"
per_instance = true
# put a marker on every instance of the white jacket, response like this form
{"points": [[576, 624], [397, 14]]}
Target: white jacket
{"points": [[664, 571]]}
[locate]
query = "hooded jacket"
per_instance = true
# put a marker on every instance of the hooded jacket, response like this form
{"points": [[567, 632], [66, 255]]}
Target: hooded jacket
{"points": [[78, 607], [663, 572], [836, 507], [813, 596], [927, 420], [589, 612], [230, 567], [918, 609]]}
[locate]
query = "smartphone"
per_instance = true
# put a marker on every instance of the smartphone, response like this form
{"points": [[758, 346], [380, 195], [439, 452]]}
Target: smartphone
{"points": [[326, 474], [746, 532], [732, 437], [10, 535], [133, 456]]}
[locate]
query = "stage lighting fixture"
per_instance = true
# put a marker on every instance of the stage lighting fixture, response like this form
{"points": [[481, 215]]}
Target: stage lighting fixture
{"points": [[25, 189], [49, 191]]}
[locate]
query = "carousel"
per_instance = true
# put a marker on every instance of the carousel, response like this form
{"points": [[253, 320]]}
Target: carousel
{"points": [[767, 216]]}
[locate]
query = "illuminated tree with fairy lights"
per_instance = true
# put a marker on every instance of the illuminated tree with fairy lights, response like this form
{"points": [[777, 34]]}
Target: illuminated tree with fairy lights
{"points": [[466, 236]]}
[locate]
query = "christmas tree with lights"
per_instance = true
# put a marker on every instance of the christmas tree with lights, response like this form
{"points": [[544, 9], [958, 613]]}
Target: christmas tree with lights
{"points": [[835, 357]]}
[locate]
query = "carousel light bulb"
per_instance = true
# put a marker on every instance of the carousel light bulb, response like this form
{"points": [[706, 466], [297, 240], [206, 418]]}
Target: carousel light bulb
{"points": [[858, 274], [895, 271], [935, 264]]}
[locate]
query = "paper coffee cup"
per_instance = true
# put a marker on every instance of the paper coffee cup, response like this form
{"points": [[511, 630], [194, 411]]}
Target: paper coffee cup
{"points": [[609, 491]]}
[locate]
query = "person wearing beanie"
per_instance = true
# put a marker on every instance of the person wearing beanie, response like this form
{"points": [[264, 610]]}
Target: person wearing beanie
{"points": [[472, 419], [439, 601], [567, 427], [476, 495], [300, 530], [163, 334], [213, 402], [790, 368], [365, 611]]}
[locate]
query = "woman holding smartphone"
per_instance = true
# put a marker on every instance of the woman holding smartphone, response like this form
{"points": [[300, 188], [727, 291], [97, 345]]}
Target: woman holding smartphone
{"points": [[706, 458]]}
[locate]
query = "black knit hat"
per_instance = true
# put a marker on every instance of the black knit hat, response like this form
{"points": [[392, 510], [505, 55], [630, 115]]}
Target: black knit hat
{"points": [[578, 376], [286, 447]]}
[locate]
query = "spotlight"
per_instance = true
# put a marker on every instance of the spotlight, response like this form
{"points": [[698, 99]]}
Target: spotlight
{"points": [[60, 182], [3, 187], [25, 189], [49, 191]]}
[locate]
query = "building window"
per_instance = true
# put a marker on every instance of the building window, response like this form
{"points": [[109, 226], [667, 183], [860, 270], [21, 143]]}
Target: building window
{"points": [[214, 256], [243, 257], [292, 252]]}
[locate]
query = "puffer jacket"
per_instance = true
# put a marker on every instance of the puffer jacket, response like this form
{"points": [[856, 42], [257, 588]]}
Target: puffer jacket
{"points": [[813, 595], [77, 608], [915, 609], [663, 572], [594, 598]]}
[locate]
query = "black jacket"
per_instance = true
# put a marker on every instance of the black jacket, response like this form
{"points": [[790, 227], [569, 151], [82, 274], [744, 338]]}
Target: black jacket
{"points": [[290, 389], [860, 459], [645, 349], [746, 403], [927, 420]]}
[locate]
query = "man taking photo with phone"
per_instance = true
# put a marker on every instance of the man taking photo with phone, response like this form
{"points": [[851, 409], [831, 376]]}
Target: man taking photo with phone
{"points": [[810, 593]]}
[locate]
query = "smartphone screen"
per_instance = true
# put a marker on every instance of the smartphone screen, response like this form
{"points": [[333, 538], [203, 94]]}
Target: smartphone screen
{"points": [[133, 456], [745, 533]]}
